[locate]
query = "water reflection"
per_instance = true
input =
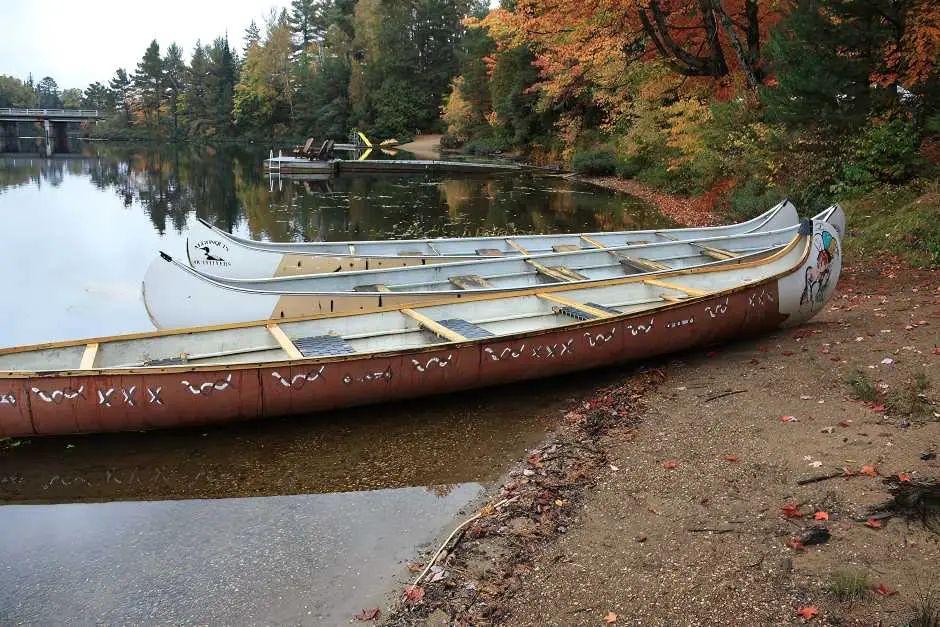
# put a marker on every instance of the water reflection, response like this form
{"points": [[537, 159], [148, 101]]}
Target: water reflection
{"points": [[278, 560], [81, 229]]}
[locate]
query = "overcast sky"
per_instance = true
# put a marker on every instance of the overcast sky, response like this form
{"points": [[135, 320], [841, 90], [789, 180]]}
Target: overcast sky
{"points": [[77, 44]]}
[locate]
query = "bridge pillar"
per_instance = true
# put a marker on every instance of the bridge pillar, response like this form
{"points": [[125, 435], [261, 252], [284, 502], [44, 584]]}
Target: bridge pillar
{"points": [[60, 137], [9, 137], [47, 136]]}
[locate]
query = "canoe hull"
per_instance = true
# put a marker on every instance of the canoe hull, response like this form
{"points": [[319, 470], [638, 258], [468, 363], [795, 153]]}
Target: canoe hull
{"points": [[97, 403]]}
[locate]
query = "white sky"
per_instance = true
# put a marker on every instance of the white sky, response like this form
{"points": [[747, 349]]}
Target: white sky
{"points": [[77, 44]]}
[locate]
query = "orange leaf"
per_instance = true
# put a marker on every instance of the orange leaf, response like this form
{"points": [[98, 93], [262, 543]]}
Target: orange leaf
{"points": [[366, 615], [808, 611], [792, 511], [731, 458], [869, 470], [795, 544], [414, 594], [670, 463], [884, 590], [904, 477], [874, 523], [821, 516], [878, 407], [611, 618]]}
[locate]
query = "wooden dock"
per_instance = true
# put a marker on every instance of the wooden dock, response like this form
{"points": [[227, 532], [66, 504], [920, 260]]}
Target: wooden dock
{"points": [[335, 167]]}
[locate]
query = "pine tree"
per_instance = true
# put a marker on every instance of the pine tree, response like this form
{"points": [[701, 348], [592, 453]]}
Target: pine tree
{"points": [[120, 87], [148, 83], [252, 37], [174, 71]]}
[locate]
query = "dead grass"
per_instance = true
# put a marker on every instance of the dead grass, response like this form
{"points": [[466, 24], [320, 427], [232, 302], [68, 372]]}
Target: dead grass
{"points": [[912, 399], [926, 611]]}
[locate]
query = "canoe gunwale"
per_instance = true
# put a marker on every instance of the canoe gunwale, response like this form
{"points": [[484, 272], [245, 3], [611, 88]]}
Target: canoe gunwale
{"points": [[182, 368], [295, 248]]}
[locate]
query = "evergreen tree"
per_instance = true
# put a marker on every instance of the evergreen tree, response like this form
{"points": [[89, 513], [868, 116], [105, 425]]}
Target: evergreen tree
{"points": [[219, 87], [48, 91], [120, 87], [303, 20], [252, 37], [174, 72], [148, 83], [194, 98]]}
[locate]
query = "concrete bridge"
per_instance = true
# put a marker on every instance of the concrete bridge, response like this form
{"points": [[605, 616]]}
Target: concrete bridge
{"points": [[54, 123]]}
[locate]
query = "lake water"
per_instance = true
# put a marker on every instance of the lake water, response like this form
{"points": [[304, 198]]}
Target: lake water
{"points": [[300, 520]]}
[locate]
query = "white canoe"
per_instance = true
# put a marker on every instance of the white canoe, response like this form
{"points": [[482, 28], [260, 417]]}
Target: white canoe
{"points": [[176, 295], [260, 369], [216, 252]]}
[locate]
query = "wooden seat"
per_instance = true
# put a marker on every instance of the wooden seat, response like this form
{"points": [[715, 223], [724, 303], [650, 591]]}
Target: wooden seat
{"points": [[559, 273], [565, 248], [641, 264], [371, 287], [469, 282]]}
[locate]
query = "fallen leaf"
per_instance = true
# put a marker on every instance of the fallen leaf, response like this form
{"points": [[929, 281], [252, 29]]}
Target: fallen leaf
{"points": [[808, 611], [821, 516], [731, 458], [711, 354], [414, 594], [887, 361], [788, 419], [791, 511], [787, 353], [762, 348], [611, 618], [845, 423], [869, 470], [904, 476], [878, 407], [874, 523], [415, 567], [884, 590], [670, 463], [366, 615], [614, 468], [795, 544]]}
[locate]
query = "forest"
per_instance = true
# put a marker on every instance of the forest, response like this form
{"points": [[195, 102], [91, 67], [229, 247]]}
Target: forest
{"points": [[737, 101]]}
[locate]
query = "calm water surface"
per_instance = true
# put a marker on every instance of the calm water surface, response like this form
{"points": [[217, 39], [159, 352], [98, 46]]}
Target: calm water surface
{"points": [[295, 520]]}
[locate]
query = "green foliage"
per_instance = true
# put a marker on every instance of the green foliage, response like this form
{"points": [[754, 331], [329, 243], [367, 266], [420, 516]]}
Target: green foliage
{"points": [[849, 584], [883, 153], [148, 83], [862, 387], [485, 145], [13, 93], [752, 198], [597, 161]]}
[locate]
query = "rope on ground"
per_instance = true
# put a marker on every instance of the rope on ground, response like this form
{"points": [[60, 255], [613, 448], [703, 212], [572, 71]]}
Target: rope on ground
{"points": [[454, 533]]}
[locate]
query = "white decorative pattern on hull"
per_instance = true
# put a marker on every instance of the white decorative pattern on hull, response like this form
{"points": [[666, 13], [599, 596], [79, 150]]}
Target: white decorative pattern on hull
{"points": [[207, 388], [441, 363], [716, 310], [298, 381], [640, 328], [57, 396], [553, 350], [8, 399], [600, 338], [506, 352]]}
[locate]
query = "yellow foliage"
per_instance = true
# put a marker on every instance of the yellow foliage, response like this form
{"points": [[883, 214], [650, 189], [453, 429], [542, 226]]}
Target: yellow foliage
{"points": [[458, 112]]}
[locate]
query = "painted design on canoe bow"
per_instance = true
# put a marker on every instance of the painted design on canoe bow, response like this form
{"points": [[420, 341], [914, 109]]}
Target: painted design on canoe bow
{"points": [[298, 381], [817, 276], [207, 388], [594, 340], [8, 399], [641, 328], [716, 310], [441, 363], [761, 297], [506, 352], [553, 350], [57, 396], [369, 377]]}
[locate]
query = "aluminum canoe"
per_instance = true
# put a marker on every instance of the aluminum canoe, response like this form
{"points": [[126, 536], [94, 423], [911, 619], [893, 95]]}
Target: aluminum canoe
{"points": [[219, 253], [176, 295], [297, 366]]}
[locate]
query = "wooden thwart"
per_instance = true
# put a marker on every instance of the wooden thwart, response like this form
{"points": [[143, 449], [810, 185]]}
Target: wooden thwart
{"points": [[691, 291], [561, 300], [565, 248], [639, 263], [432, 326], [719, 254], [559, 273], [88, 357], [470, 282], [592, 242], [517, 247], [292, 351]]}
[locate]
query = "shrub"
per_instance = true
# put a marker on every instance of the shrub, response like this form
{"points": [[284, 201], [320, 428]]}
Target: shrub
{"points": [[485, 145], [752, 198], [883, 153], [599, 161]]}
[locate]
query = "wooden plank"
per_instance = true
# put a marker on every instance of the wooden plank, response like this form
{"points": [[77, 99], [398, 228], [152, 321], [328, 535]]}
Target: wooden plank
{"points": [[292, 351], [433, 327], [470, 282], [559, 273], [371, 287], [673, 299], [517, 247], [640, 263], [88, 357], [592, 242], [561, 300], [715, 253], [691, 291], [565, 248]]}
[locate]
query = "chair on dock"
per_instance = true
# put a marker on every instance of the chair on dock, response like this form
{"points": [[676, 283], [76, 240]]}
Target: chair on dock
{"points": [[304, 151]]}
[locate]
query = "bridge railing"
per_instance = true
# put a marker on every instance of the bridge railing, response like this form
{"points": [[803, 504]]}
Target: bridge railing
{"points": [[63, 113]]}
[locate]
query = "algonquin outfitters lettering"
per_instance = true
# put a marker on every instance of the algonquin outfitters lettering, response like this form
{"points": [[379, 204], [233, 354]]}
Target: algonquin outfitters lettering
{"points": [[210, 252]]}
